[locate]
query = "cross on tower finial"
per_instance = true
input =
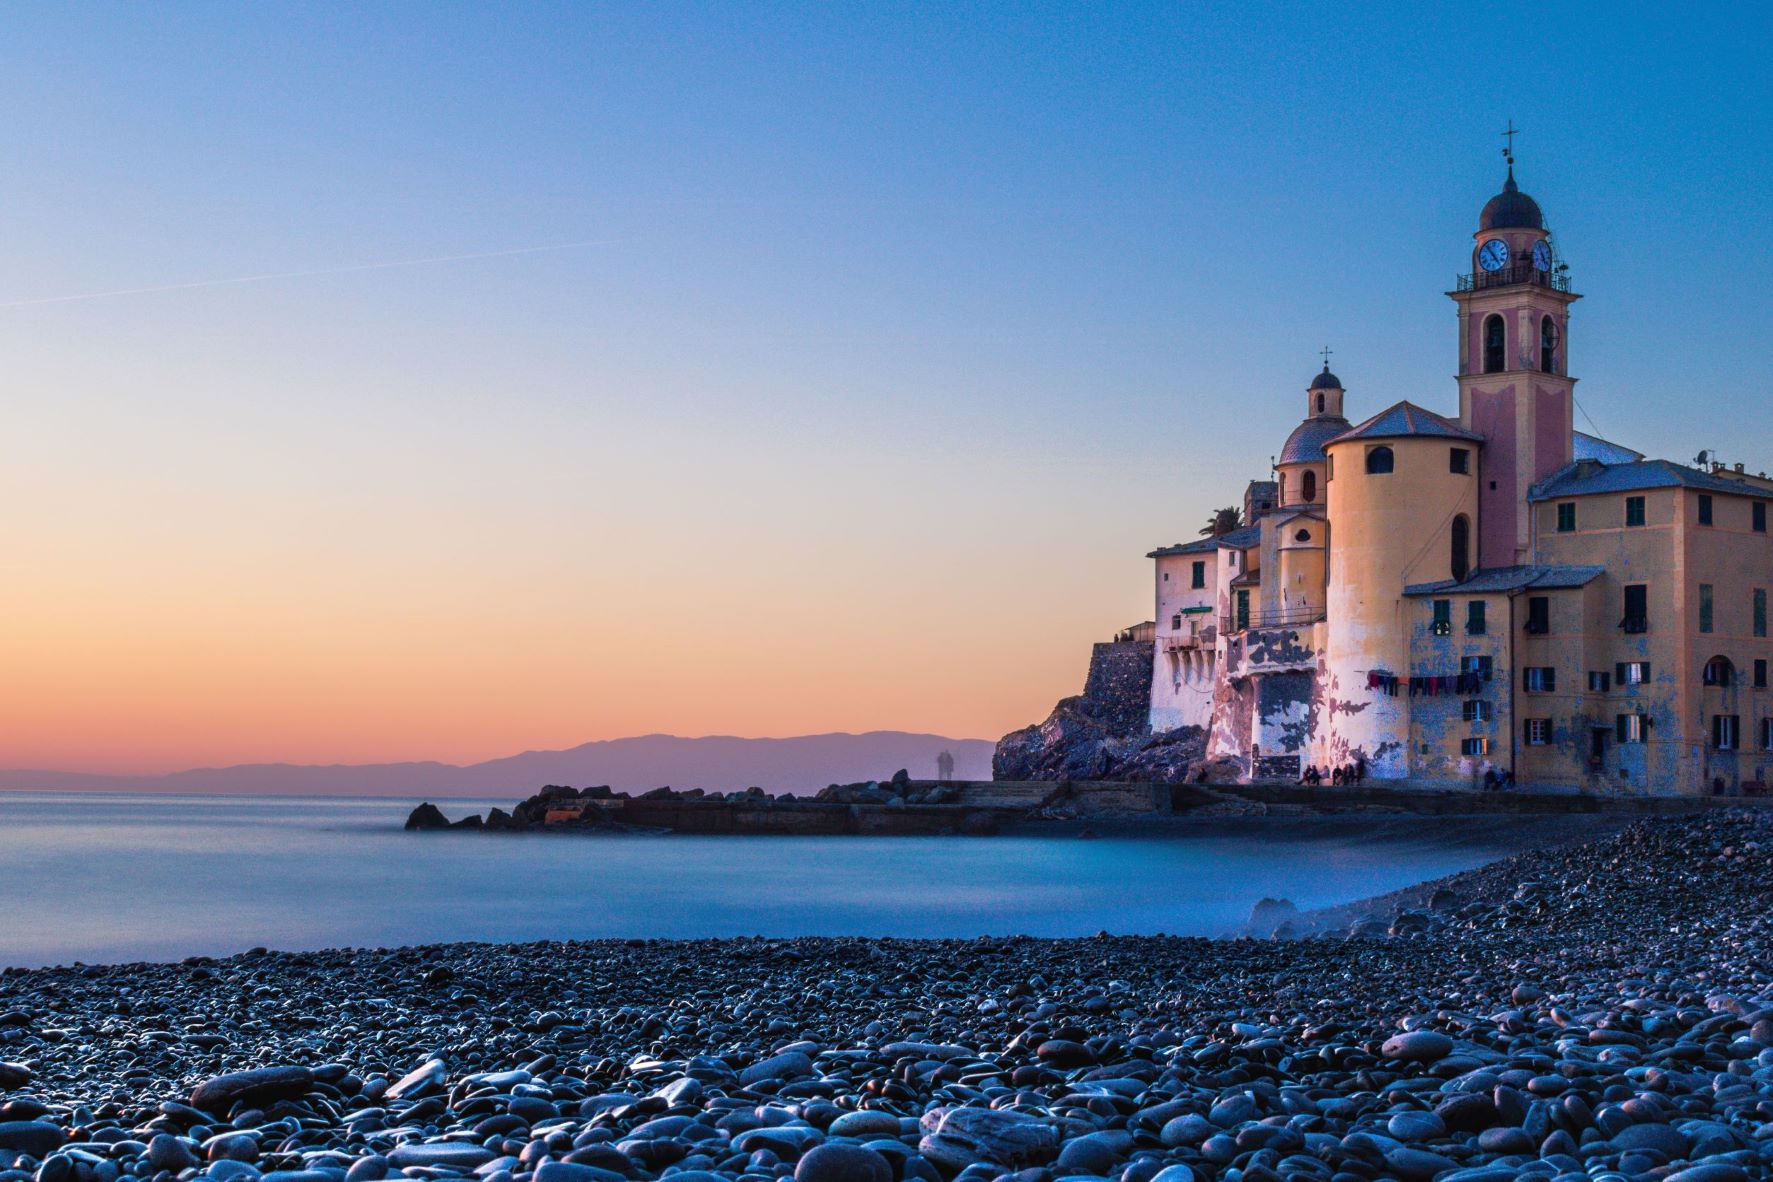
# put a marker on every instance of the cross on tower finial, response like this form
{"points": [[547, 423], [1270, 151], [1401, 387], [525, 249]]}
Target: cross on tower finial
{"points": [[1326, 353], [1509, 134]]}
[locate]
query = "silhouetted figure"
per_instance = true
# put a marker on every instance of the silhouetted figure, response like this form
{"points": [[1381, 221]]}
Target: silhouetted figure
{"points": [[945, 767]]}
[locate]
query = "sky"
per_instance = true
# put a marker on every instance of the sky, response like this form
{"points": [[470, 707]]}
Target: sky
{"points": [[817, 367]]}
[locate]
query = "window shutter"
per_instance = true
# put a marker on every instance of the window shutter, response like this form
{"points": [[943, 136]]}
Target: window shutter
{"points": [[1646, 673], [1551, 679], [1619, 673], [1526, 678], [1619, 727]]}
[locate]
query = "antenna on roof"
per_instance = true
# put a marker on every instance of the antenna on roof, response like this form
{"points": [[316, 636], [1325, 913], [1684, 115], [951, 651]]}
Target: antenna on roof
{"points": [[1703, 458]]}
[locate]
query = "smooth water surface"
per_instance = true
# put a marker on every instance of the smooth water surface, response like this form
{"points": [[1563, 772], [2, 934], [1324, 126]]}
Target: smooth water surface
{"points": [[107, 878]]}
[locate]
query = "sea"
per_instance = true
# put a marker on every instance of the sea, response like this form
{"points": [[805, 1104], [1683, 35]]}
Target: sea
{"points": [[109, 878]]}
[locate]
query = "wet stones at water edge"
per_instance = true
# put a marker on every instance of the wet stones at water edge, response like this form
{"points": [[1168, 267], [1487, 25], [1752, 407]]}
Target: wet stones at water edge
{"points": [[1603, 1012]]}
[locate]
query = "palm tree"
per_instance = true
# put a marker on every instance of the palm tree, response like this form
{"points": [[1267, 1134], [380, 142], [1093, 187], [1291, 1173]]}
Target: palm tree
{"points": [[1223, 521]]}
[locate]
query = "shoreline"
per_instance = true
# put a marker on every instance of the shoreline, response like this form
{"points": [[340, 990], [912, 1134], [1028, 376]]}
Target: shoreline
{"points": [[1501, 1027]]}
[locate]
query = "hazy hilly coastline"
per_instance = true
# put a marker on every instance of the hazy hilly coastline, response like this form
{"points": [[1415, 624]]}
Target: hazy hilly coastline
{"points": [[802, 763]]}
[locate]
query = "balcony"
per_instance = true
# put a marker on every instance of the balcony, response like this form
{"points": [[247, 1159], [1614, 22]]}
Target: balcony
{"points": [[1292, 617], [1634, 624], [1522, 272], [1176, 642]]}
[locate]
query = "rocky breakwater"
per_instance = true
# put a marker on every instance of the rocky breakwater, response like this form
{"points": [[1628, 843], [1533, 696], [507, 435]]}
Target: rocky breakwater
{"points": [[1601, 1013], [899, 805]]}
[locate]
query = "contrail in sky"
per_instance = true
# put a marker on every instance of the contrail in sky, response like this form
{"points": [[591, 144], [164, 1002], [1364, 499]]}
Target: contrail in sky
{"points": [[344, 270]]}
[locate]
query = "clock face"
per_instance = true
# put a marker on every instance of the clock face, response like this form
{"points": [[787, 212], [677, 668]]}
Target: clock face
{"points": [[1542, 255], [1493, 255]]}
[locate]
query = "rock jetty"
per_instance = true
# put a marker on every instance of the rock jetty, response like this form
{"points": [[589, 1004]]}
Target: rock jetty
{"points": [[1602, 1012], [896, 805]]}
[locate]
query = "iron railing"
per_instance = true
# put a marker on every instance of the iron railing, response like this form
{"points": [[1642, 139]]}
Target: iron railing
{"points": [[1524, 272], [1292, 617]]}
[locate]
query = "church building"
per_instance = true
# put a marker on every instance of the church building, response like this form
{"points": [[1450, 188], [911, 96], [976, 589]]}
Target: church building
{"points": [[1434, 597]]}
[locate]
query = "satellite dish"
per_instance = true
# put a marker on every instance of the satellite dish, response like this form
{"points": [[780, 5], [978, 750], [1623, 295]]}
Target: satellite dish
{"points": [[1700, 459]]}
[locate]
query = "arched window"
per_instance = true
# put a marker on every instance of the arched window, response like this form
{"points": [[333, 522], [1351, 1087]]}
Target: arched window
{"points": [[1283, 488], [1548, 345], [1303, 535], [1461, 546], [1308, 486], [1379, 461], [1493, 359], [1720, 672], [1320, 404]]}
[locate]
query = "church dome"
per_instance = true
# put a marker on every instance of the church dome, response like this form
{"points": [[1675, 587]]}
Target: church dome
{"points": [[1511, 209], [1326, 381], [1306, 444]]}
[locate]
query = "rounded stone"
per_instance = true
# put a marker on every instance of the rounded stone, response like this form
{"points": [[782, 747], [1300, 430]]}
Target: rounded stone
{"points": [[842, 1163], [1418, 1046]]}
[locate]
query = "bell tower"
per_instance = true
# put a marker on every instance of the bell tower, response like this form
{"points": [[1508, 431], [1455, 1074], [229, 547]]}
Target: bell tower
{"points": [[1515, 387]]}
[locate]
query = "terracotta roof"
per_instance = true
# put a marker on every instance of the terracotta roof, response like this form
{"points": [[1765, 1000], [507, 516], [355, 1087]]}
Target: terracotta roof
{"points": [[1511, 578], [1406, 418], [1586, 477]]}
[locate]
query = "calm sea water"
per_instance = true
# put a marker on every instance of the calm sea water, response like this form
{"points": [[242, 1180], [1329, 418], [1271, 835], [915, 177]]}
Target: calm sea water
{"points": [[107, 878]]}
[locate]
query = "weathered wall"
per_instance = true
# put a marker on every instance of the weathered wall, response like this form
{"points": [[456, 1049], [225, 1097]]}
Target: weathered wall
{"points": [[1118, 688]]}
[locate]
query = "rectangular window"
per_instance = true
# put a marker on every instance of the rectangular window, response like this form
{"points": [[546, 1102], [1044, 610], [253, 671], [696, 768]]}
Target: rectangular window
{"points": [[1243, 610], [1637, 608], [1566, 517], [1443, 617], [1459, 461], [1760, 673], [1538, 732], [1705, 607], [1704, 508], [1760, 517], [1632, 672], [1539, 679], [1484, 667], [1634, 510], [1760, 611], [1474, 618], [1599, 682], [1630, 728], [1538, 614], [1723, 732], [1476, 710], [1231, 559], [1474, 746], [1199, 575], [1767, 734]]}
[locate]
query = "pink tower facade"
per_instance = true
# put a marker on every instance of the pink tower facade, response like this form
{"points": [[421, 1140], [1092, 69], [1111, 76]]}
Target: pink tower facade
{"points": [[1515, 388]]}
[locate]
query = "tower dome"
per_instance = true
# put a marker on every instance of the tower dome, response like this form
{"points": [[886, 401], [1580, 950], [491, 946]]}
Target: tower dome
{"points": [[1511, 209], [1306, 444], [1326, 381]]}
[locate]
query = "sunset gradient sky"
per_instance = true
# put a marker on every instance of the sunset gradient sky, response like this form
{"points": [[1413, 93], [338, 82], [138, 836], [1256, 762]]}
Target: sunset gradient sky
{"points": [[898, 335]]}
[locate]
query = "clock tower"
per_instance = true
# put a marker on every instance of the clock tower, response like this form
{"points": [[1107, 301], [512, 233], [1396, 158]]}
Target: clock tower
{"points": [[1515, 387]]}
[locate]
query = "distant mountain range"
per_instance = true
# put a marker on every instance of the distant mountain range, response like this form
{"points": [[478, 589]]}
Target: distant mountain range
{"points": [[802, 764]]}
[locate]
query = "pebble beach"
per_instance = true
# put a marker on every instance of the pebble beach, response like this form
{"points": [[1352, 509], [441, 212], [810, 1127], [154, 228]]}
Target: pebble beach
{"points": [[1601, 1011]]}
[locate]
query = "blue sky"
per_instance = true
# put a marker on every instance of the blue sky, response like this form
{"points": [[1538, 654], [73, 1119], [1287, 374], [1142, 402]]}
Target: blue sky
{"points": [[919, 323]]}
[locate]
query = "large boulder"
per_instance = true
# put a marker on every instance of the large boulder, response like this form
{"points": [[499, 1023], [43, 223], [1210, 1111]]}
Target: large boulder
{"points": [[427, 816]]}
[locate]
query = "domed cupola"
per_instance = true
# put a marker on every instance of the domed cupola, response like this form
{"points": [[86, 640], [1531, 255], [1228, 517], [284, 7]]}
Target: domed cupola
{"points": [[1301, 461], [1511, 209], [1324, 395]]}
